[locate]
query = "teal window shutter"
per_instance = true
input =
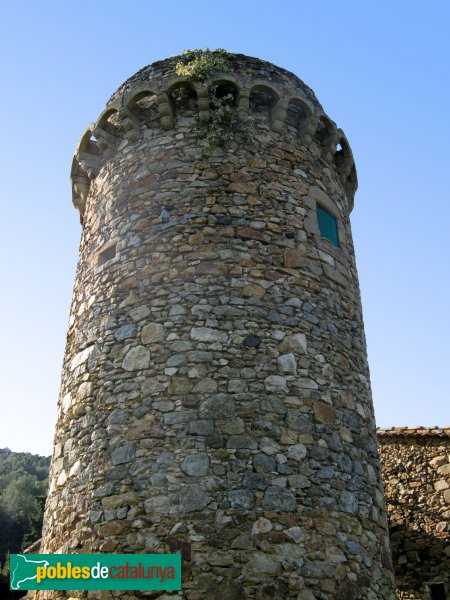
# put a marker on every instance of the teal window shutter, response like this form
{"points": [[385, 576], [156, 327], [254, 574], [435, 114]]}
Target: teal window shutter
{"points": [[327, 225]]}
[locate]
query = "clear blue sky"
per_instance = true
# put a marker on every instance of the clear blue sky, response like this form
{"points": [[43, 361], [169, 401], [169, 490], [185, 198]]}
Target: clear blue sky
{"points": [[382, 72]]}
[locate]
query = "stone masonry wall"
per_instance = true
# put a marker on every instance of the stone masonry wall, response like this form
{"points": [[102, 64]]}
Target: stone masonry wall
{"points": [[415, 465], [215, 398]]}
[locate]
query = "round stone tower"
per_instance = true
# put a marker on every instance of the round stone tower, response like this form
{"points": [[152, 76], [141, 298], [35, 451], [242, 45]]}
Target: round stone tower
{"points": [[215, 397]]}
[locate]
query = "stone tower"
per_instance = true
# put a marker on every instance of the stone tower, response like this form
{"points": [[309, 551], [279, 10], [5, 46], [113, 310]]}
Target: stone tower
{"points": [[215, 397]]}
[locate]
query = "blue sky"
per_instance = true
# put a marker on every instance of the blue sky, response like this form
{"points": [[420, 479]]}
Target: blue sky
{"points": [[382, 72]]}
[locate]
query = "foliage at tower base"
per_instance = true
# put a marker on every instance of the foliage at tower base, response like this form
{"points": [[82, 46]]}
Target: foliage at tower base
{"points": [[23, 485], [5, 592]]}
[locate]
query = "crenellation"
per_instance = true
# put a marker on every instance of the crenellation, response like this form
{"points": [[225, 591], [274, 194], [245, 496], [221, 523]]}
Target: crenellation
{"points": [[289, 110]]}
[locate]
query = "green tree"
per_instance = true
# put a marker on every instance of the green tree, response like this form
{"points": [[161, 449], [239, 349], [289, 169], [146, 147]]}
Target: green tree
{"points": [[23, 485]]}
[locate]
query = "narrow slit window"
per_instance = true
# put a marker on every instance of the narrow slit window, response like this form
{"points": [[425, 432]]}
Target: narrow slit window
{"points": [[437, 591], [327, 225], [106, 255]]}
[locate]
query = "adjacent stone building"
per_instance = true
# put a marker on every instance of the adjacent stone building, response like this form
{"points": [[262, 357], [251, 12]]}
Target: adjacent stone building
{"points": [[416, 471], [215, 398]]}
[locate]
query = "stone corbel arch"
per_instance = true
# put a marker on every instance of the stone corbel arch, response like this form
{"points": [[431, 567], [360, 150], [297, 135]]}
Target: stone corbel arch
{"points": [[138, 93], [181, 83], [85, 167], [106, 139], [308, 124], [80, 187], [350, 187], [327, 136], [226, 80], [87, 154], [343, 158], [277, 107], [131, 118], [263, 83], [345, 166], [173, 82]]}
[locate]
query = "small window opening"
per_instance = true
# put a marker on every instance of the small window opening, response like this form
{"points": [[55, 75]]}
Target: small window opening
{"points": [[322, 132], [262, 101], [295, 116], [184, 98], [145, 107], [146, 102], [112, 123], [437, 591], [339, 159], [106, 255], [92, 146], [327, 225], [226, 93]]}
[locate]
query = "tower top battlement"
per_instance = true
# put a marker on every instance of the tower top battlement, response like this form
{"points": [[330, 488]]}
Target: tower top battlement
{"points": [[157, 99]]}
